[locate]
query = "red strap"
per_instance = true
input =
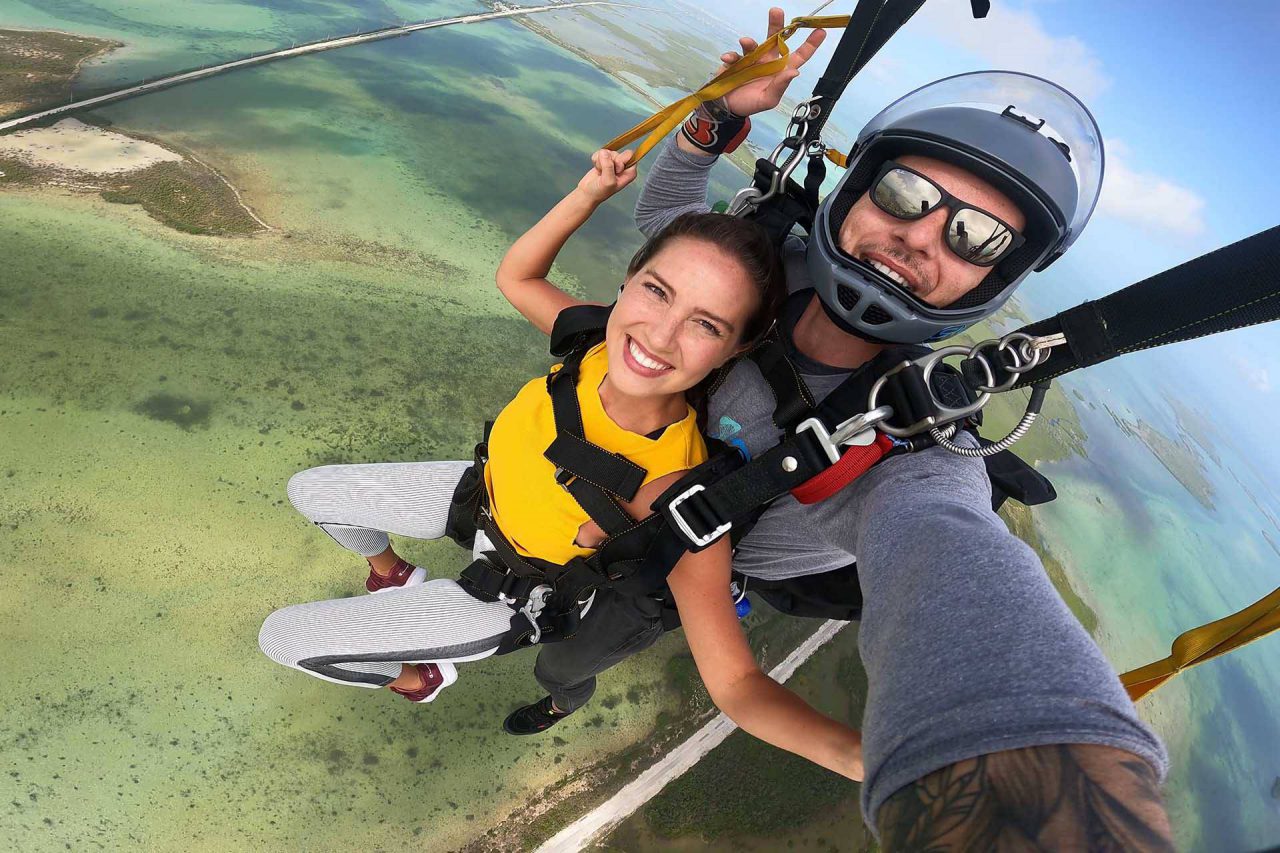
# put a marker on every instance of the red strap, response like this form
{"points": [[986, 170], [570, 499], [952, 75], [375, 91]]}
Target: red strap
{"points": [[853, 464]]}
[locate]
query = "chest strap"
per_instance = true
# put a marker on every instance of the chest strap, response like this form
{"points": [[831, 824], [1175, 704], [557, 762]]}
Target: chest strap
{"points": [[594, 477]]}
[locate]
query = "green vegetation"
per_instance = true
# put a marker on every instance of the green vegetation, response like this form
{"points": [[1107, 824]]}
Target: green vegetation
{"points": [[184, 195], [36, 68], [745, 795], [1179, 457], [1022, 524]]}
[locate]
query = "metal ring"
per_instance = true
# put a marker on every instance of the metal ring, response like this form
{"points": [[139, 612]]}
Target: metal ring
{"points": [[1033, 360], [946, 413], [975, 353]]}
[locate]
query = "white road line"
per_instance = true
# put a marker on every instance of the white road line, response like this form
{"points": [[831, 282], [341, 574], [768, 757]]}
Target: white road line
{"points": [[577, 835], [300, 50]]}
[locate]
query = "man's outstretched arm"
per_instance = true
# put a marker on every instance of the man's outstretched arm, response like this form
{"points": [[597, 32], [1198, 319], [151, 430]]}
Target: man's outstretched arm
{"points": [[991, 713], [1060, 797], [675, 184]]}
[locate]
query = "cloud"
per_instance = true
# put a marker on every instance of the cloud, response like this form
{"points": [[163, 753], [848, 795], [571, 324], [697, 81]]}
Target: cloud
{"points": [[1016, 40], [1147, 199], [1257, 375]]}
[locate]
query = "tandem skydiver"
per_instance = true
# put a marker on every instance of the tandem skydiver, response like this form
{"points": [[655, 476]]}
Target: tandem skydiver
{"points": [[992, 718], [617, 427]]}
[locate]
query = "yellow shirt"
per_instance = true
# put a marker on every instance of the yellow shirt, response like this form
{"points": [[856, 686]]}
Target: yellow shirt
{"points": [[535, 512]]}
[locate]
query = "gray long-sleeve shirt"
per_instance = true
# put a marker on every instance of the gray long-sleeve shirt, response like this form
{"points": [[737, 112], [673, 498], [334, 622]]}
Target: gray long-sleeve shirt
{"points": [[968, 648]]}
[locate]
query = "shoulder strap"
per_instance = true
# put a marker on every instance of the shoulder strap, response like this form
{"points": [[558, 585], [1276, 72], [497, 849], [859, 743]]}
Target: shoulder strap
{"points": [[578, 327], [792, 398], [1230, 288], [596, 478]]}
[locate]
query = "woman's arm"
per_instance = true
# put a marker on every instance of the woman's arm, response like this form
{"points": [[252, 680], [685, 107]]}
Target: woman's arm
{"points": [[522, 275], [750, 698]]}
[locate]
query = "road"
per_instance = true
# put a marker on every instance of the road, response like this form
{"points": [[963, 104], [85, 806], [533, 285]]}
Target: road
{"points": [[286, 53], [577, 835]]}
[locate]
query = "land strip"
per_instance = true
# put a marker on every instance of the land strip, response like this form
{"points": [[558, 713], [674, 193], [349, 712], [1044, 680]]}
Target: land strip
{"points": [[37, 67], [274, 55], [594, 823]]}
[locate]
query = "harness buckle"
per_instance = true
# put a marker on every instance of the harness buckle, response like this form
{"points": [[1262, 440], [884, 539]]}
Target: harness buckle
{"points": [[857, 431], [673, 512], [533, 607], [942, 414]]}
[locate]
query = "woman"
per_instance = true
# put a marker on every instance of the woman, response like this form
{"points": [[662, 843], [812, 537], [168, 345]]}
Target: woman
{"points": [[695, 296]]}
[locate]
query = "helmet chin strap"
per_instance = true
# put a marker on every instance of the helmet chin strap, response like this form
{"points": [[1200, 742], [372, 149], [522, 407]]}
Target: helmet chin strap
{"points": [[844, 326]]}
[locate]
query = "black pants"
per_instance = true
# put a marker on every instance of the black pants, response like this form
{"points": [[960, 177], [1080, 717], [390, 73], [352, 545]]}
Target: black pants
{"points": [[615, 628]]}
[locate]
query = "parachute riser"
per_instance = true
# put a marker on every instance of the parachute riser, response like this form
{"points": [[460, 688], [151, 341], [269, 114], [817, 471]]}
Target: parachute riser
{"points": [[989, 367]]}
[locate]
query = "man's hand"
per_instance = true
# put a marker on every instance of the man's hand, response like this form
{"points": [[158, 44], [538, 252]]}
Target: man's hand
{"points": [[609, 174], [766, 92]]}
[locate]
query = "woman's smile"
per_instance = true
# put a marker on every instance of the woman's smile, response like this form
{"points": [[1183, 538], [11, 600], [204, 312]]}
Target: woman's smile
{"points": [[643, 362]]}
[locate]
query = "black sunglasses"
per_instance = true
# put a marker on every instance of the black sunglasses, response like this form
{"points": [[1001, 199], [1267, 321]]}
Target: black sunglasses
{"points": [[979, 237]]}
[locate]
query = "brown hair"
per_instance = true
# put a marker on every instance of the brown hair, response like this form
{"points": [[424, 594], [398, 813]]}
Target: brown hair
{"points": [[744, 241], [748, 244]]}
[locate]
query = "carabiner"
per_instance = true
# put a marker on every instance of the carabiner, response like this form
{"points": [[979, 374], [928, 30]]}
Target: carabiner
{"points": [[945, 414]]}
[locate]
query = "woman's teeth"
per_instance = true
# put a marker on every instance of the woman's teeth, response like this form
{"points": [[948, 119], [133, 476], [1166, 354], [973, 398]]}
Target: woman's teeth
{"points": [[643, 359], [890, 273]]}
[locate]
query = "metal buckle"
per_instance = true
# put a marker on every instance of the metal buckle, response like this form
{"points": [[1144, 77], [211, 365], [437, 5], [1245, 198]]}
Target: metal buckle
{"points": [[533, 606], [858, 431], [674, 514], [946, 414], [749, 198]]}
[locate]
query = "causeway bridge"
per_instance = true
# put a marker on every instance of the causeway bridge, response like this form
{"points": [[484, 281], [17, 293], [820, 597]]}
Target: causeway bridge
{"points": [[501, 11]]}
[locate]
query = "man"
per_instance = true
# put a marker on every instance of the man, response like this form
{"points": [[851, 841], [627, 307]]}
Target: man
{"points": [[992, 719]]}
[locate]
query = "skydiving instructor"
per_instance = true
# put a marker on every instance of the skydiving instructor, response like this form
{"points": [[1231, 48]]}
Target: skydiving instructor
{"points": [[992, 718]]}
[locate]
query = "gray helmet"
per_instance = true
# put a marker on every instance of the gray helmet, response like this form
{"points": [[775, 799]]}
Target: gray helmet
{"points": [[1027, 137]]}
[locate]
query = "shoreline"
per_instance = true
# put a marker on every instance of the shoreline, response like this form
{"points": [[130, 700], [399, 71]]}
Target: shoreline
{"points": [[85, 153]]}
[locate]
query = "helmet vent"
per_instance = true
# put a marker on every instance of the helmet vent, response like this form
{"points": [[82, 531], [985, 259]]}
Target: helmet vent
{"points": [[848, 298], [875, 316]]}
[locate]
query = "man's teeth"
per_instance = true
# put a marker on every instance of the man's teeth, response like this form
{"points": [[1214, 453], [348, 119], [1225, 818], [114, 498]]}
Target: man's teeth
{"points": [[889, 272], [644, 360]]}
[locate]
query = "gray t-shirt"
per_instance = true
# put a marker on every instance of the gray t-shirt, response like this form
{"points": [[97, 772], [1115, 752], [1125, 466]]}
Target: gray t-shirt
{"points": [[968, 648]]}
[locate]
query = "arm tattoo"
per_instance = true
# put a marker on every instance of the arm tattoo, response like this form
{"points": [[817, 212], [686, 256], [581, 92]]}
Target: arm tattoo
{"points": [[1061, 797]]}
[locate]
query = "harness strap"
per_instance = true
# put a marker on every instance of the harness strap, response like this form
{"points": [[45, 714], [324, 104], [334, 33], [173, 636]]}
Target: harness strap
{"points": [[594, 477], [1171, 306], [704, 513], [870, 27], [855, 462], [792, 397]]}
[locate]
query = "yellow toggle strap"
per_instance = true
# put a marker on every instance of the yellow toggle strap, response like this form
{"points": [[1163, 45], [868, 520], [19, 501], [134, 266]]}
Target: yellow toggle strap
{"points": [[743, 71], [836, 157], [1207, 642]]}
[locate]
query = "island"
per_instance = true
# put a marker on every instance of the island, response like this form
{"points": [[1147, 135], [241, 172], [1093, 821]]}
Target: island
{"points": [[174, 186]]}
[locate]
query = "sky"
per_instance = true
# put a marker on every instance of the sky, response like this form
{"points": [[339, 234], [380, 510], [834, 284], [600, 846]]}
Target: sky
{"points": [[1184, 93]]}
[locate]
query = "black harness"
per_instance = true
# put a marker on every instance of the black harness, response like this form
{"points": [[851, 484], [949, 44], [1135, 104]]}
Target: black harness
{"points": [[727, 493], [550, 598]]}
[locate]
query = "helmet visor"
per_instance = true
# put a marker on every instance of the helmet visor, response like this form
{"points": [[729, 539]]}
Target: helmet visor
{"points": [[1059, 115]]}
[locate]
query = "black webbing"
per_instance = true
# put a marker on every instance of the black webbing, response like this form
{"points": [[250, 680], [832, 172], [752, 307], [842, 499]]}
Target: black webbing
{"points": [[578, 327], [609, 471], [593, 476], [1230, 288], [792, 398], [871, 25]]}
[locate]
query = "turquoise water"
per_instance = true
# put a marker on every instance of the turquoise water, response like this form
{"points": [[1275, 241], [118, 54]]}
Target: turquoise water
{"points": [[1153, 562], [399, 172]]}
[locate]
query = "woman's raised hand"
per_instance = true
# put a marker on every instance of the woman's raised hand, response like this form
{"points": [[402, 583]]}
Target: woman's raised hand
{"points": [[609, 174], [766, 92]]}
